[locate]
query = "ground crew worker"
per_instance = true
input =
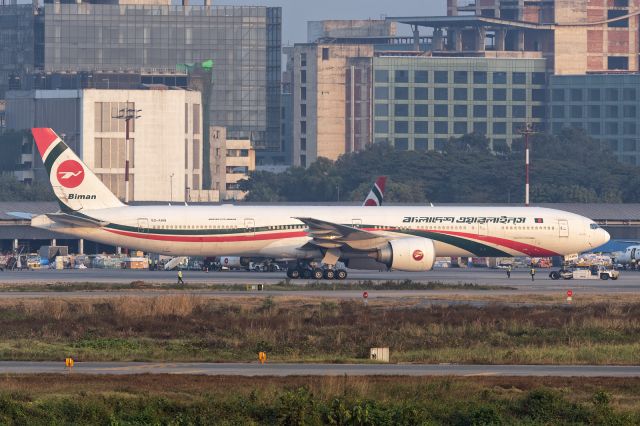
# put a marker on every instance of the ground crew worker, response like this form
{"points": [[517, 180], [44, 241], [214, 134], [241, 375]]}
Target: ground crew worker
{"points": [[180, 277], [509, 271], [533, 273]]}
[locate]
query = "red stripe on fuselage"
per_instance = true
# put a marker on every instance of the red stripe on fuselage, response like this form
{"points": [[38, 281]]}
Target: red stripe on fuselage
{"points": [[208, 239]]}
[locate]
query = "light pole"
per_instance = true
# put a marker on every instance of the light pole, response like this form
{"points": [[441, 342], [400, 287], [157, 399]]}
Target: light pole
{"points": [[127, 114], [526, 132], [171, 185]]}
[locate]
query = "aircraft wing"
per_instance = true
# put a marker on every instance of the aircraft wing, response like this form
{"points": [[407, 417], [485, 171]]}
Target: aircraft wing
{"points": [[21, 215], [334, 235], [67, 219]]}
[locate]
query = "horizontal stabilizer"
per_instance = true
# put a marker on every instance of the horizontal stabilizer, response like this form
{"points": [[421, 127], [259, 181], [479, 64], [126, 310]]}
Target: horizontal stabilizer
{"points": [[73, 220]]}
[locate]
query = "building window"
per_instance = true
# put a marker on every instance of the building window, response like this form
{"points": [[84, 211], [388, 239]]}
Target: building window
{"points": [[421, 94], [479, 94], [499, 111], [196, 119], [499, 128], [616, 13], [460, 127], [303, 144], [441, 110], [629, 94], [611, 111], [537, 111], [382, 126], [459, 110], [421, 144], [421, 111], [421, 127], [519, 78], [519, 95], [382, 110], [576, 95], [460, 77], [325, 53], [401, 144], [382, 93], [611, 128], [629, 128], [629, 145], [402, 76], [303, 59], [611, 94], [196, 154], [518, 111], [538, 95], [557, 111], [480, 127], [499, 78], [594, 128], [558, 95], [499, 94], [303, 127], [576, 111], [303, 93], [618, 63], [479, 77], [594, 95], [439, 144], [401, 93], [382, 76], [303, 110], [460, 94], [441, 127], [401, 127], [629, 111], [441, 94], [421, 77], [539, 78], [441, 77], [594, 110], [303, 76], [613, 144], [479, 111], [401, 110]]}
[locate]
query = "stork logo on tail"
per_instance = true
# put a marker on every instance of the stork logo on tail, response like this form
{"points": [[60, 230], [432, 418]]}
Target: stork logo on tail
{"points": [[70, 173]]}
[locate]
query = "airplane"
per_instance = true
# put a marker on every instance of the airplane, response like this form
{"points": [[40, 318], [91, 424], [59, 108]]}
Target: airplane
{"points": [[373, 199], [630, 257], [312, 238]]}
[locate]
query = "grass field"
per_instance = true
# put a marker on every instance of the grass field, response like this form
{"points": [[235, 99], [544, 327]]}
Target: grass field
{"points": [[190, 328], [177, 400]]}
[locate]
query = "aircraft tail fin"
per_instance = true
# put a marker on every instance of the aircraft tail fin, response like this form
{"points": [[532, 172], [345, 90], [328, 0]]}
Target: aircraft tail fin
{"points": [[376, 195], [75, 185]]}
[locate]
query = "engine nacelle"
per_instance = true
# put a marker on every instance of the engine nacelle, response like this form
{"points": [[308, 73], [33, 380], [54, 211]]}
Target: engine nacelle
{"points": [[413, 254]]}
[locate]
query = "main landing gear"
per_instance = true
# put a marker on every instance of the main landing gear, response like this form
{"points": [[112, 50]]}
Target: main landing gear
{"points": [[308, 271]]}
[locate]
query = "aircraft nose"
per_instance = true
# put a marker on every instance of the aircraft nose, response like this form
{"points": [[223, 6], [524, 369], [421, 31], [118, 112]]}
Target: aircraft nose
{"points": [[605, 236]]}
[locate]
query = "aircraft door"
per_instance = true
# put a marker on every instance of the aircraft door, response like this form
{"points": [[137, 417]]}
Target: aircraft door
{"points": [[250, 226], [356, 223], [143, 225], [563, 228], [633, 254]]}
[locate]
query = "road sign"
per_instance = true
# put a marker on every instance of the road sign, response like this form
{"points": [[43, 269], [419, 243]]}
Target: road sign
{"points": [[365, 295], [569, 293]]}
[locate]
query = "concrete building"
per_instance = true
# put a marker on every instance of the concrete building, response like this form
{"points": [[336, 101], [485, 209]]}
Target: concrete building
{"points": [[234, 159], [607, 107], [165, 147], [115, 44], [420, 102], [368, 28]]}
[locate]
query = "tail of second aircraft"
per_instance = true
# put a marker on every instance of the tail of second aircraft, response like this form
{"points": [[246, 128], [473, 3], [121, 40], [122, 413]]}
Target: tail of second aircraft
{"points": [[376, 195], [74, 184]]}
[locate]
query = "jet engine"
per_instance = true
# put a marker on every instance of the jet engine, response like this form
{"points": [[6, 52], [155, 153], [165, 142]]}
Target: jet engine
{"points": [[413, 254]]}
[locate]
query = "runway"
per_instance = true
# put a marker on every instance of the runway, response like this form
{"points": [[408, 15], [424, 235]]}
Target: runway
{"points": [[629, 281], [282, 370]]}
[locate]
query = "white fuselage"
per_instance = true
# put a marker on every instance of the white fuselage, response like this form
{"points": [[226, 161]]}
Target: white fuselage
{"points": [[273, 231]]}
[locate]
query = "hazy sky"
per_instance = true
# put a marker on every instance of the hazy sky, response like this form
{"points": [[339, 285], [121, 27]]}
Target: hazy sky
{"points": [[296, 13]]}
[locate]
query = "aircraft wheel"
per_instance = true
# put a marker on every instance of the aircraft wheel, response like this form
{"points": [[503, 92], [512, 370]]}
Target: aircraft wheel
{"points": [[317, 274], [329, 274], [341, 274]]}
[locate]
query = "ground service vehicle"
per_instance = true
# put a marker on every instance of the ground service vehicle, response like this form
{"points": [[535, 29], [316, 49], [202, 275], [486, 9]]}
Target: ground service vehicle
{"points": [[593, 272]]}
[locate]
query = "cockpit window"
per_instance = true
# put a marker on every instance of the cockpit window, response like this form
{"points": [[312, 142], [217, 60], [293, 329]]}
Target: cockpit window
{"points": [[594, 226]]}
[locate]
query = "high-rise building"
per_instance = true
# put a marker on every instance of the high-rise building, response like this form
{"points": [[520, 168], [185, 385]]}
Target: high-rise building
{"points": [[155, 39]]}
